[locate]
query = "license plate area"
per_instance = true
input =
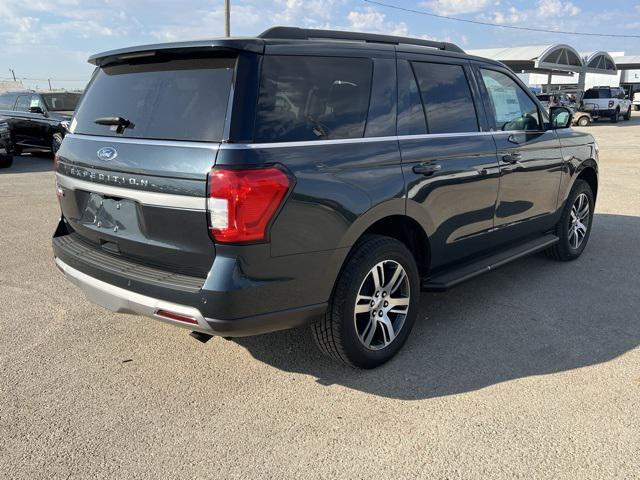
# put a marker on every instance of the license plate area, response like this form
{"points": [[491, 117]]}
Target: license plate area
{"points": [[111, 215]]}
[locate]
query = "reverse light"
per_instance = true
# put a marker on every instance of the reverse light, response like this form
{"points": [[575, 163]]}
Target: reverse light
{"points": [[242, 203]]}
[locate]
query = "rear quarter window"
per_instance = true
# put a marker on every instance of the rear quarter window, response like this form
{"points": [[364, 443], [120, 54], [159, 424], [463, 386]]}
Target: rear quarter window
{"points": [[176, 99], [312, 98]]}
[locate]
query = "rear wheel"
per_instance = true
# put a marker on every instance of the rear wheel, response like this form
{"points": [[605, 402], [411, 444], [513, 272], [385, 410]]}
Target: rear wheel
{"points": [[574, 226], [616, 116], [627, 116], [583, 121], [374, 304]]}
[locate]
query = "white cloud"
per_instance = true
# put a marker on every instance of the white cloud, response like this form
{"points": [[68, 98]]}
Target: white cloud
{"points": [[451, 7], [371, 20], [551, 8]]}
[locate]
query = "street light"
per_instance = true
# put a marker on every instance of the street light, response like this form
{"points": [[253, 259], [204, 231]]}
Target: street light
{"points": [[227, 18]]}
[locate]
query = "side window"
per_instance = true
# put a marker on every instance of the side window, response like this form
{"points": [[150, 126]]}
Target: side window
{"points": [[447, 98], [36, 102], [382, 107], [7, 101], [312, 98], [512, 108], [410, 110], [23, 103]]}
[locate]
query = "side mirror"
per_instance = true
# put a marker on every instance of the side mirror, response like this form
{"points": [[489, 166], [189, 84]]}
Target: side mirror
{"points": [[36, 110], [560, 117]]}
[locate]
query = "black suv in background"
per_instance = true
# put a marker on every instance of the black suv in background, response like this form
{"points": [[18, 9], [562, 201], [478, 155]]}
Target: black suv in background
{"points": [[37, 120], [307, 177]]}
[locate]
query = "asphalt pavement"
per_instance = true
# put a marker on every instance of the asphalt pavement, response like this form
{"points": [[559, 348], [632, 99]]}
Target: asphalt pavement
{"points": [[532, 371]]}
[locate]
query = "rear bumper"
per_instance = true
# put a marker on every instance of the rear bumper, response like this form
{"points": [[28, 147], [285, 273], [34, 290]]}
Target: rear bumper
{"points": [[121, 300]]}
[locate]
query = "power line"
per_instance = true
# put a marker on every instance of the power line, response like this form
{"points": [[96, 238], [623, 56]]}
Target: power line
{"points": [[489, 24]]}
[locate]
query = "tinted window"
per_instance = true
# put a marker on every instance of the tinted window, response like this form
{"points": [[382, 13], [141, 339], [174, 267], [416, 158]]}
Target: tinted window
{"points": [[61, 102], [447, 98], [7, 101], [597, 93], [410, 111], [23, 103], [179, 99], [381, 120], [511, 107], [312, 98]]}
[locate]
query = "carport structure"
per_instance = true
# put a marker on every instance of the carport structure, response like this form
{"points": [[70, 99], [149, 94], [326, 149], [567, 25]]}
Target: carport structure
{"points": [[555, 59]]}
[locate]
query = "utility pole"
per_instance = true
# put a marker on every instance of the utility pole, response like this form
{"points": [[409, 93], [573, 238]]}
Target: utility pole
{"points": [[227, 18], [49, 80], [14, 74]]}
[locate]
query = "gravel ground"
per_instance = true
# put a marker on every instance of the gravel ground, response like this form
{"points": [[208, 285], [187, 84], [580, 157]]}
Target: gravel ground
{"points": [[529, 372]]}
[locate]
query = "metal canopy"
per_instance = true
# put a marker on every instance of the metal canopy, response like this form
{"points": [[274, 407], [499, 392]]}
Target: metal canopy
{"points": [[629, 62], [557, 58], [600, 62]]}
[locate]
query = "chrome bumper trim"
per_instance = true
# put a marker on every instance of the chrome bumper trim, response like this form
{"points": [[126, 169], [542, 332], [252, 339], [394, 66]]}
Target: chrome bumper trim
{"points": [[120, 300]]}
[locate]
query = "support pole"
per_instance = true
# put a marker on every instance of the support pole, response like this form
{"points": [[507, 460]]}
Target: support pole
{"points": [[549, 80], [227, 18], [582, 78]]}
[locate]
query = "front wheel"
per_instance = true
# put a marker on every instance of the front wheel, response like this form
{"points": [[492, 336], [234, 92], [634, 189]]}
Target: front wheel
{"points": [[583, 121], [627, 116], [56, 141], [574, 226], [374, 304]]}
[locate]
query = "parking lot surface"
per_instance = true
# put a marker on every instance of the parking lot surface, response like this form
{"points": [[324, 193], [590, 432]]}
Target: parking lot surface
{"points": [[532, 371]]}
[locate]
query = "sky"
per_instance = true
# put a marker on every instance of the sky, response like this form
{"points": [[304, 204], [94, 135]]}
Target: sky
{"points": [[42, 39]]}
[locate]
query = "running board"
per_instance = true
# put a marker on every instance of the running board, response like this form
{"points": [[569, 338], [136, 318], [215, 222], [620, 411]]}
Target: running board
{"points": [[450, 278]]}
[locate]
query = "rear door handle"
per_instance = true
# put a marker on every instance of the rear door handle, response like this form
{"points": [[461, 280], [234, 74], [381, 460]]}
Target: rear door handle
{"points": [[427, 168], [512, 158]]}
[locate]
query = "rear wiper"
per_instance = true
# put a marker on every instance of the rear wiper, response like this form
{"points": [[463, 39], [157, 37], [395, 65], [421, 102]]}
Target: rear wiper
{"points": [[118, 122]]}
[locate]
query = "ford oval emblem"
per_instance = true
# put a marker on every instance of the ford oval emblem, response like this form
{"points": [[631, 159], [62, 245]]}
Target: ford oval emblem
{"points": [[107, 153]]}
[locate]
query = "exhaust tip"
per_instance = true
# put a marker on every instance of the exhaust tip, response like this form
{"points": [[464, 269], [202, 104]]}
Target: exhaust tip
{"points": [[201, 337]]}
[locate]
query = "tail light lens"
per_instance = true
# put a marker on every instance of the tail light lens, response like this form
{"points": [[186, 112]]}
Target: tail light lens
{"points": [[610, 103], [242, 202]]}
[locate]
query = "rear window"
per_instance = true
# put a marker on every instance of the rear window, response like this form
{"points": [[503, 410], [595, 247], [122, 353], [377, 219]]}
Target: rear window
{"points": [[178, 99], [597, 93], [7, 101], [312, 98], [61, 102]]}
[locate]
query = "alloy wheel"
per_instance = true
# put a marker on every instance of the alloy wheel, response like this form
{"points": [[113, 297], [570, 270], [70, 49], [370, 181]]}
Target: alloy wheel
{"points": [[382, 305], [579, 224]]}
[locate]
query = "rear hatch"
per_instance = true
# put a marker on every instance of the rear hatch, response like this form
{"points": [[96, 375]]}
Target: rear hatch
{"points": [[134, 185]]}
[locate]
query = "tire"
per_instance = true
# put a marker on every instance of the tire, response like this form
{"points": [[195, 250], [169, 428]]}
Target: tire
{"points": [[583, 121], [6, 161], [565, 249], [56, 141], [627, 116], [616, 116], [359, 340], [16, 150]]}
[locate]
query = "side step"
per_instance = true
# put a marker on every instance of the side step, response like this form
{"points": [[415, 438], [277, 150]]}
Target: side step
{"points": [[450, 278]]}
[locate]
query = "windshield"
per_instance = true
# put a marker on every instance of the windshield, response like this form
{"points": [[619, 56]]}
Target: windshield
{"points": [[61, 102], [175, 99]]}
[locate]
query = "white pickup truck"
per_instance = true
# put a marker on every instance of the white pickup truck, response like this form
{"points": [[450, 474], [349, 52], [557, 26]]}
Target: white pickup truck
{"points": [[610, 102]]}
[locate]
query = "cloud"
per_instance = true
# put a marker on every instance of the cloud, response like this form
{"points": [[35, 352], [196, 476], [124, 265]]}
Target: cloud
{"points": [[452, 7], [371, 20], [557, 7]]}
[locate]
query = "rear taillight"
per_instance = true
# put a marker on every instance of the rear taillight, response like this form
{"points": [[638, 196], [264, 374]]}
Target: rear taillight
{"points": [[610, 103], [242, 203]]}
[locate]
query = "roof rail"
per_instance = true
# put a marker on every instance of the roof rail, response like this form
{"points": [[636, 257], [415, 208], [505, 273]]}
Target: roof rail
{"points": [[296, 33]]}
